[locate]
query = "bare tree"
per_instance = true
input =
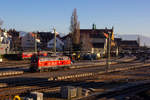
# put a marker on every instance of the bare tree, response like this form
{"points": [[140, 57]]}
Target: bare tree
{"points": [[1, 22], [86, 43], [16, 41], [75, 28]]}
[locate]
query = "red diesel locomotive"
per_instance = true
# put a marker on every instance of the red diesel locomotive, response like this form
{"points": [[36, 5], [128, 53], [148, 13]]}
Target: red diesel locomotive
{"points": [[42, 63]]}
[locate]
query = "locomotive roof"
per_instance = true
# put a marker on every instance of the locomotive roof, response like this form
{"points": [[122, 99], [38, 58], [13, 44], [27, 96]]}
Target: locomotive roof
{"points": [[51, 56], [46, 58]]}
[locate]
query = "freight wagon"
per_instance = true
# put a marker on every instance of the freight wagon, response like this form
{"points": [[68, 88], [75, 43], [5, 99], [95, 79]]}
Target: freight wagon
{"points": [[28, 55], [42, 63]]}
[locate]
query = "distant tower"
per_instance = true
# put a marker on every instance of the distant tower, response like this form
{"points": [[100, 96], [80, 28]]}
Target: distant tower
{"points": [[138, 40]]}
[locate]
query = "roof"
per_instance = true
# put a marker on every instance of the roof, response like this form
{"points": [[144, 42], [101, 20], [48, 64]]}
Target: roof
{"points": [[129, 43], [103, 33], [99, 33], [47, 34], [95, 30], [64, 37], [118, 39], [57, 40]]}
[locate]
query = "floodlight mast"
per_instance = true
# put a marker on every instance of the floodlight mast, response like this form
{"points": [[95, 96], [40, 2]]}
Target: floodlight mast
{"points": [[35, 43], [0, 41], [108, 52], [54, 41]]}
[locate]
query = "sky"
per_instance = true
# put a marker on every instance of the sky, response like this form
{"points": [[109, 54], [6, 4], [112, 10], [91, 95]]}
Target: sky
{"points": [[127, 16]]}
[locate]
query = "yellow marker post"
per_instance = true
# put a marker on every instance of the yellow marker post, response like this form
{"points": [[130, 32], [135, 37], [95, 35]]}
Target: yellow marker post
{"points": [[17, 97]]}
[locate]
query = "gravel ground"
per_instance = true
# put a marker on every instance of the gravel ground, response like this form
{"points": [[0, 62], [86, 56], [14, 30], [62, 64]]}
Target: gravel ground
{"points": [[112, 80]]}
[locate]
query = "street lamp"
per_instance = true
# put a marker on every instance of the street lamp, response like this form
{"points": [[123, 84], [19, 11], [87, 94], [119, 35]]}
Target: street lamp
{"points": [[35, 43], [55, 41], [108, 51], [0, 45]]}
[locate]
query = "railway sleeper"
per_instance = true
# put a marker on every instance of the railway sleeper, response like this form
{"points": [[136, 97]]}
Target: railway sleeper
{"points": [[9, 73]]}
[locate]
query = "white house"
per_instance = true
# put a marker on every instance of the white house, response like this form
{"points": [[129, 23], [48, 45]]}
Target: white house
{"points": [[5, 40], [67, 42], [59, 44]]}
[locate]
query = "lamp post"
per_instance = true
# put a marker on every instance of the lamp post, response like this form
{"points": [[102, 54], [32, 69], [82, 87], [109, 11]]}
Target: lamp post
{"points": [[54, 41], [35, 43], [0, 45], [108, 52], [71, 45]]}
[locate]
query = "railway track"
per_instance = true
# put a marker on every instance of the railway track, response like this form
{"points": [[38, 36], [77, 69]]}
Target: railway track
{"points": [[49, 85], [23, 70], [15, 63], [46, 85], [120, 93], [32, 86], [71, 71], [42, 83], [62, 75], [7, 64]]}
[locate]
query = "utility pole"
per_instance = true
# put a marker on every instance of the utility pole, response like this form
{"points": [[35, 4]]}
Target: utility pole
{"points": [[55, 41], [1, 23], [71, 45], [108, 52], [0, 45], [35, 43]]}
